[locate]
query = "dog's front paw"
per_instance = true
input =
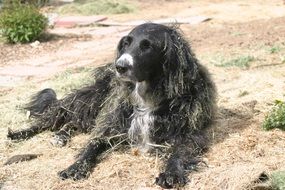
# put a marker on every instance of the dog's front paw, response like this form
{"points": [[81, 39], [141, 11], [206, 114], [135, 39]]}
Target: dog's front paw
{"points": [[13, 135], [170, 180], [76, 171]]}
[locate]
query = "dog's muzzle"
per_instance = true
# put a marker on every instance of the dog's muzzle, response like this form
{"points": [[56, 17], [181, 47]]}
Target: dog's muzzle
{"points": [[124, 63], [122, 67]]}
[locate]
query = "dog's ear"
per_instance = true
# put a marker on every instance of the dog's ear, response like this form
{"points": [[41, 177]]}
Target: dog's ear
{"points": [[180, 64]]}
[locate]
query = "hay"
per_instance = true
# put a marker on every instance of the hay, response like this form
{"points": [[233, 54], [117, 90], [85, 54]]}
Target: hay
{"points": [[238, 176]]}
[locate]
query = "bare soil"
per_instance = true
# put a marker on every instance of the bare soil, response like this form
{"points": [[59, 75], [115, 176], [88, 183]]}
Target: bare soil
{"points": [[240, 150]]}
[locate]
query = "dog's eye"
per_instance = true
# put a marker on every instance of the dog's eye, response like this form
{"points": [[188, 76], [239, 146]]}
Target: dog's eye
{"points": [[125, 42], [145, 44]]}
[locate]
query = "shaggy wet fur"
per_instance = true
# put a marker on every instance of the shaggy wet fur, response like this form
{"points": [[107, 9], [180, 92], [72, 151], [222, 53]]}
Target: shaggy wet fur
{"points": [[155, 95]]}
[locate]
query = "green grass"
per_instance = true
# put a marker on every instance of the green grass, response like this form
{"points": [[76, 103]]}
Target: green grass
{"points": [[275, 49], [96, 7], [240, 61], [278, 180], [276, 118]]}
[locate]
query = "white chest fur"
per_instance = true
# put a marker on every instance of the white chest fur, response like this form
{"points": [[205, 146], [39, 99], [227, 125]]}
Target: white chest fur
{"points": [[142, 122]]}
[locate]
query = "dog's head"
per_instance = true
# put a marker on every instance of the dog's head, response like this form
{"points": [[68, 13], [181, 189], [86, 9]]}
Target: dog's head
{"points": [[154, 52], [141, 53]]}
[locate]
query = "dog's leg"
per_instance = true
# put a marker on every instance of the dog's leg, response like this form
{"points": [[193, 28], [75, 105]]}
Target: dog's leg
{"points": [[88, 157], [111, 132], [87, 160], [182, 160], [25, 133]]}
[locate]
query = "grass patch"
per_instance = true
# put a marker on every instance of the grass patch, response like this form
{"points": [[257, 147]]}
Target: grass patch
{"points": [[96, 7], [240, 61], [275, 49], [276, 118], [71, 79], [12, 114], [278, 180], [11, 103]]}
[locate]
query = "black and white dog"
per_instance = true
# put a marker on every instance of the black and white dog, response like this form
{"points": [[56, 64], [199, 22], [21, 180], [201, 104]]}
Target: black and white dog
{"points": [[155, 96]]}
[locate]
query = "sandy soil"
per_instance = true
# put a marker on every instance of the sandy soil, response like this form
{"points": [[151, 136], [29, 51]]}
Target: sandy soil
{"points": [[240, 150]]}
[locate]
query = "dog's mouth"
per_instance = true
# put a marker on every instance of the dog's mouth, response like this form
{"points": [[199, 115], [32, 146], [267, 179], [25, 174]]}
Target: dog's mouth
{"points": [[126, 77]]}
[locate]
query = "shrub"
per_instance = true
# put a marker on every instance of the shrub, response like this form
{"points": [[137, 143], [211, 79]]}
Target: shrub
{"points": [[276, 118], [22, 23]]}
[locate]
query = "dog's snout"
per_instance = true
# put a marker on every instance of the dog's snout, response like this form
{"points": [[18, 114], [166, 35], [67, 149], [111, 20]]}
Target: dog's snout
{"points": [[122, 66], [124, 63]]}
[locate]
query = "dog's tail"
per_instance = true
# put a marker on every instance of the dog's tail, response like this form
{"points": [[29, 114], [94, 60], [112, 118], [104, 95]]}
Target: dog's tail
{"points": [[40, 102]]}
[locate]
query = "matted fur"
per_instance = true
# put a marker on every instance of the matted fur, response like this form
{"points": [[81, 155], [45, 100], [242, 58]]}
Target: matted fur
{"points": [[163, 98]]}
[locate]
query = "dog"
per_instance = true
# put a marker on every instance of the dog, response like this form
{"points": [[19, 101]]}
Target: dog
{"points": [[156, 95]]}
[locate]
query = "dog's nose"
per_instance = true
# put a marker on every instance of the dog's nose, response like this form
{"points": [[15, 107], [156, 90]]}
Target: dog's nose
{"points": [[124, 63], [122, 66]]}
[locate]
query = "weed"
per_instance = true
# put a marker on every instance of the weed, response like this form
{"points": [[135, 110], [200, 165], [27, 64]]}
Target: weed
{"points": [[276, 118], [275, 49]]}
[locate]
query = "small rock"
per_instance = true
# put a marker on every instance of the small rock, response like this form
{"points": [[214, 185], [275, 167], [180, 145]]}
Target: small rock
{"points": [[35, 44]]}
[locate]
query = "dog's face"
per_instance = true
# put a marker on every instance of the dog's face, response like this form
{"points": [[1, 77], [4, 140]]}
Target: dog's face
{"points": [[141, 53]]}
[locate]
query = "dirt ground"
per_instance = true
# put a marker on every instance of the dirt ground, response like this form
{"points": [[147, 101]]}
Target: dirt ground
{"points": [[240, 150]]}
